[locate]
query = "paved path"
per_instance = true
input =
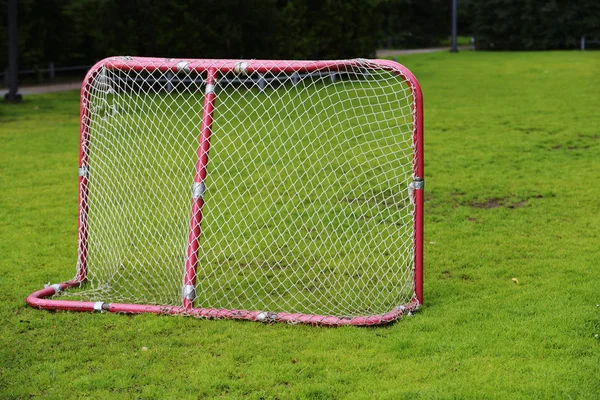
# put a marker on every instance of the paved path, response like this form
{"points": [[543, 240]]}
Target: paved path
{"points": [[58, 87], [63, 87], [393, 52]]}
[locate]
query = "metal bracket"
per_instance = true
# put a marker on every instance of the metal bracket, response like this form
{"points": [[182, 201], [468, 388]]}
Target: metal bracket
{"points": [[99, 306], [84, 171], [198, 190], [189, 292]]}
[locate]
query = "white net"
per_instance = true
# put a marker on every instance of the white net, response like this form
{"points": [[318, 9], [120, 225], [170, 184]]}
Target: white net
{"points": [[307, 204]]}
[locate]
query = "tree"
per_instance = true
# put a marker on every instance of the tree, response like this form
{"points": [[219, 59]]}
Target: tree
{"points": [[534, 24]]}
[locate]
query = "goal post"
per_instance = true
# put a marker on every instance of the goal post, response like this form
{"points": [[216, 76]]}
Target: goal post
{"points": [[274, 191]]}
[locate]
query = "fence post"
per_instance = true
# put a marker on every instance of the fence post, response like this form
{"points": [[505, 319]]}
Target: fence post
{"points": [[262, 82], [51, 72], [582, 43], [454, 48], [169, 82]]}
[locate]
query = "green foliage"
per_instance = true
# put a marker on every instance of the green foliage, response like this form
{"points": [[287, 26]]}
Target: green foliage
{"points": [[511, 170], [534, 24], [413, 24], [75, 32], [79, 32]]}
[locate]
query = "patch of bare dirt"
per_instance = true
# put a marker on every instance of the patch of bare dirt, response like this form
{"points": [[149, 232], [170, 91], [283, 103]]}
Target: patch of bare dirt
{"points": [[494, 202], [507, 201]]}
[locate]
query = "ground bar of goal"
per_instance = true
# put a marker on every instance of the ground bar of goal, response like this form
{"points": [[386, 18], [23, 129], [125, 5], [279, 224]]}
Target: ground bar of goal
{"points": [[40, 300], [198, 198]]}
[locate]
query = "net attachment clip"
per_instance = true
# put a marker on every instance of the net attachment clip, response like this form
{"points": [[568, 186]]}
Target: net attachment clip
{"points": [[182, 66], [265, 316], [84, 171], [198, 190], [241, 68], [189, 292], [210, 88], [57, 288], [417, 184]]}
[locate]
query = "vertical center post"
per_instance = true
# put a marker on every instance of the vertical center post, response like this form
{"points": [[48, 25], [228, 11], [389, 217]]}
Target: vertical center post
{"points": [[191, 261]]}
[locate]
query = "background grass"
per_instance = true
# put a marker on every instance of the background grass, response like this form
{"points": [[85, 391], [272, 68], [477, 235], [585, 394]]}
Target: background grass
{"points": [[512, 164], [460, 41]]}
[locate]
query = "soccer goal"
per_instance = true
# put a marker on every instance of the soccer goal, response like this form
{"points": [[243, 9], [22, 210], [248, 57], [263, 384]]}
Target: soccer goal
{"points": [[284, 191]]}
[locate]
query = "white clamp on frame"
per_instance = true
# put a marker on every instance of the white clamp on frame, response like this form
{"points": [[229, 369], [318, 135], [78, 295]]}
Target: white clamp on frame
{"points": [[241, 68], [210, 88], [84, 171], [189, 292], [182, 66], [56, 287], [198, 190], [417, 184]]}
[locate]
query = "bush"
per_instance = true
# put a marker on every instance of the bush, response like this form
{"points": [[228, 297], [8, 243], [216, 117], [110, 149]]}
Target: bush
{"points": [[534, 24]]}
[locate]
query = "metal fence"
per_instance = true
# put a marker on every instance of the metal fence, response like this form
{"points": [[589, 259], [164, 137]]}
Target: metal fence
{"points": [[588, 41], [47, 74]]}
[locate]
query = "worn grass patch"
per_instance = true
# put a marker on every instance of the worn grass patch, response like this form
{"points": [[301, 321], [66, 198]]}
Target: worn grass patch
{"points": [[512, 278]]}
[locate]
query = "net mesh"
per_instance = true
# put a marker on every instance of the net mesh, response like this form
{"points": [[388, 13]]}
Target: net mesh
{"points": [[307, 204]]}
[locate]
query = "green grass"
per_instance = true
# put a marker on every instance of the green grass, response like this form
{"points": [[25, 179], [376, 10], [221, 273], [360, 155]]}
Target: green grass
{"points": [[512, 162]]}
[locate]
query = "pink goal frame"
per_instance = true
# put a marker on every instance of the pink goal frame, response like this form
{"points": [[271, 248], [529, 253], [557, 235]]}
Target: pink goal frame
{"points": [[212, 68]]}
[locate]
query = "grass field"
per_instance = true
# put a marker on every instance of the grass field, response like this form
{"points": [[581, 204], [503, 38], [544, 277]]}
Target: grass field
{"points": [[512, 276]]}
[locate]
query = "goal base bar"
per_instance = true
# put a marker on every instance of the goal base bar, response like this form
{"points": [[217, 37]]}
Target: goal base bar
{"points": [[40, 299]]}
